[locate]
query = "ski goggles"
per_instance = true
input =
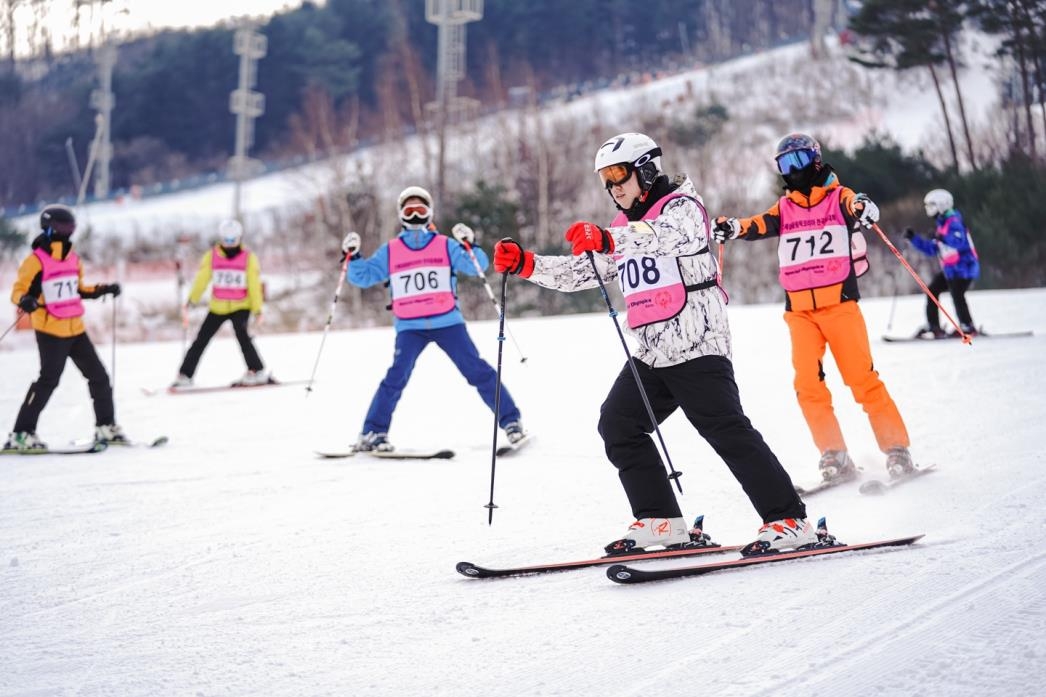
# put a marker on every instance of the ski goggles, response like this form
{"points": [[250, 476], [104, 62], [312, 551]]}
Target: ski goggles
{"points": [[412, 210], [615, 175], [796, 159]]}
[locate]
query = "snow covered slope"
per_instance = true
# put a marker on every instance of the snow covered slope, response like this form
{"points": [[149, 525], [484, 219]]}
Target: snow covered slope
{"points": [[232, 561]]}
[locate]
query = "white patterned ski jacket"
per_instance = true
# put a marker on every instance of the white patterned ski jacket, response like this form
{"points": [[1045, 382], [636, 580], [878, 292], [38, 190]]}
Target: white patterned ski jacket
{"points": [[681, 230]]}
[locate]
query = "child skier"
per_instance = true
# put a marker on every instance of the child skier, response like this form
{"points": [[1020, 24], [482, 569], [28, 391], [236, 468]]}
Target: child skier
{"points": [[952, 244], [420, 268], [234, 274], [814, 223], [49, 287]]}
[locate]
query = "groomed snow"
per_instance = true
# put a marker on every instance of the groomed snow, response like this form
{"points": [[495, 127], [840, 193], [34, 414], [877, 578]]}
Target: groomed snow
{"points": [[234, 562]]}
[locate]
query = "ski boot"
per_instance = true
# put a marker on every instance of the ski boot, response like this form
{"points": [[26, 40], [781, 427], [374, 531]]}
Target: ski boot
{"points": [[373, 442], [24, 442], [899, 462], [782, 535], [650, 532], [836, 466]]}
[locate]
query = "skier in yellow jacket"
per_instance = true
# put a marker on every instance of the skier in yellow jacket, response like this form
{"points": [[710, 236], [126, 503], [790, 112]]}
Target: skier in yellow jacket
{"points": [[49, 288], [234, 274], [821, 255]]}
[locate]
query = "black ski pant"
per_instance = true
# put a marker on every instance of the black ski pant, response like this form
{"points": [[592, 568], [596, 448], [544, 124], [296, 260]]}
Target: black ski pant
{"points": [[705, 390], [957, 287], [53, 352], [210, 326]]}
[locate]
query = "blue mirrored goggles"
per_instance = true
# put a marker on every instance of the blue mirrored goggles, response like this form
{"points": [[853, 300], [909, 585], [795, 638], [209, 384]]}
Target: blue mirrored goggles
{"points": [[796, 159]]}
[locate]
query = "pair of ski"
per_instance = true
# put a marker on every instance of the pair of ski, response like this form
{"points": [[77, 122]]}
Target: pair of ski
{"points": [[979, 335], [619, 572], [502, 451], [873, 487], [89, 447], [205, 389]]}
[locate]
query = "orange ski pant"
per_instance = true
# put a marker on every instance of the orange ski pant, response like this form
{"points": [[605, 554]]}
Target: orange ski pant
{"points": [[842, 329]]}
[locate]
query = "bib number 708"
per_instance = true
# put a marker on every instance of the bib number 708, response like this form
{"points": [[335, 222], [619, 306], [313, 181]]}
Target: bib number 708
{"points": [[634, 272]]}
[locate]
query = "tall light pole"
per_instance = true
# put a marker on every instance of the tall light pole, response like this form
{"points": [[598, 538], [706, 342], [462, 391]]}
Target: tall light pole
{"points": [[450, 16], [248, 105], [102, 101]]}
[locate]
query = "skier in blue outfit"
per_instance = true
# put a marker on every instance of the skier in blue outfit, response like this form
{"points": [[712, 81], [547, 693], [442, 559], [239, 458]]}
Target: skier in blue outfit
{"points": [[420, 268], [952, 244]]}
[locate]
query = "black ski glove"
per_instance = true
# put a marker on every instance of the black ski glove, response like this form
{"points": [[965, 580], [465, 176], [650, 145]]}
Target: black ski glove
{"points": [[28, 303]]}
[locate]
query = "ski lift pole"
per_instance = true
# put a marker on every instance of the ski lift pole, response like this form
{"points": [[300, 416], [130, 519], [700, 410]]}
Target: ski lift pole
{"points": [[330, 319], [673, 474], [490, 294], [966, 338]]}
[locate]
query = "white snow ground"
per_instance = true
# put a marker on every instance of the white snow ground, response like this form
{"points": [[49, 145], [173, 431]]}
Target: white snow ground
{"points": [[233, 562]]}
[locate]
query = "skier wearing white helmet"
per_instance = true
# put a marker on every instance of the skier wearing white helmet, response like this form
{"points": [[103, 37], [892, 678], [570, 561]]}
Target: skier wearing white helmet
{"points": [[952, 243], [657, 249], [420, 268], [234, 275]]}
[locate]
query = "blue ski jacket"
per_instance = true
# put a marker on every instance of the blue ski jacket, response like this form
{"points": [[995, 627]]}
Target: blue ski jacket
{"points": [[953, 245], [365, 273]]}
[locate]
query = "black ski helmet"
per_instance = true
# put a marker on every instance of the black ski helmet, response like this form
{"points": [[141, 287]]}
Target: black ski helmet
{"points": [[57, 220], [798, 160]]}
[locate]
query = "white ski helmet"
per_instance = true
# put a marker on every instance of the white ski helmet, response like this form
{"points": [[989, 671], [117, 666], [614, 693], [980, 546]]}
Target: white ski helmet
{"points": [[230, 232], [414, 220], [937, 202], [637, 152]]}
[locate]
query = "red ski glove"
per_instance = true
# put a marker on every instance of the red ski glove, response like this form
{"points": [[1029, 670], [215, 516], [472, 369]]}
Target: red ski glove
{"points": [[509, 257], [589, 237]]}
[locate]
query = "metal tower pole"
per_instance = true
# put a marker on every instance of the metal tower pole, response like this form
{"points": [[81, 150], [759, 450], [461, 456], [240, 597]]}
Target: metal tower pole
{"points": [[102, 101], [248, 105], [450, 16]]}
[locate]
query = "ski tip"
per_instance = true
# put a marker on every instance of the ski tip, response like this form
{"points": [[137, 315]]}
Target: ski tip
{"points": [[619, 573], [158, 441], [467, 568], [873, 488]]}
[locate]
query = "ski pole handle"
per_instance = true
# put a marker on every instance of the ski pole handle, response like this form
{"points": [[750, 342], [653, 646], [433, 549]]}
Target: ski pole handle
{"points": [[490, 294]]}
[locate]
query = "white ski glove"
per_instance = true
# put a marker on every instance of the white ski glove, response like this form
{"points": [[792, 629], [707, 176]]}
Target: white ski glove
{"points": [[351, 244], [726, 229], [463, 234], [866, 210]]}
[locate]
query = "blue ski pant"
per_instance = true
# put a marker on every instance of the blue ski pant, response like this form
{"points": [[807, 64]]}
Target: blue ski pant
{"points": [[456, 343]]}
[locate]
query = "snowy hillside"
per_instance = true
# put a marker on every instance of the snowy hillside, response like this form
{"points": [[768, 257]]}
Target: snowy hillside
{"points": [[233, 562], [859, 102]]}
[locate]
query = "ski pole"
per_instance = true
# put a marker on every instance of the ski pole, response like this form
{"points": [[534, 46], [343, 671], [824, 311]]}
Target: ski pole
{"points": [[112, 378], [18, 317], [330, 318], [966, 339], [490, 294], [674, 475], [893, 302], [497, 398]]}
